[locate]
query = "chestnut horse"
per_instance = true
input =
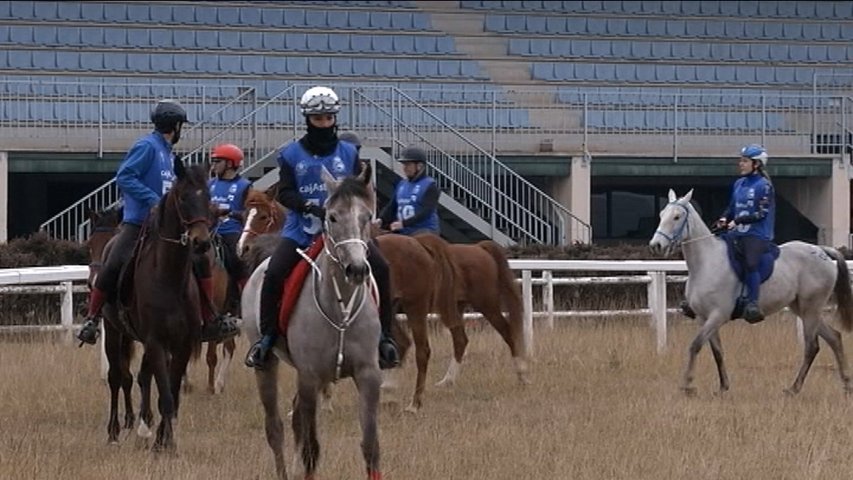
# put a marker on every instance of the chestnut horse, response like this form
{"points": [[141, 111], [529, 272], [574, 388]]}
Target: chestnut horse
{"points": [[157, 304], [435, 288]]}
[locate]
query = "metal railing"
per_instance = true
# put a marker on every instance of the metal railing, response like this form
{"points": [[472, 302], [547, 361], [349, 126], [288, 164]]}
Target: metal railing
{"points": [[464, 170]]}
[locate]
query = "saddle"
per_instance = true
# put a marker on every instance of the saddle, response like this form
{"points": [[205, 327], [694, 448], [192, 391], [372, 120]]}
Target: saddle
{"points": [[124, 288], [294, 283], [735, 255]]}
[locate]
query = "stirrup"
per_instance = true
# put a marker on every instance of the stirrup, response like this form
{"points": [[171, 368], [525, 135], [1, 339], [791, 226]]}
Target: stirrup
{"points": [[89, 332], [258, 355], [389, 356], [221, 328], [752, 314]]}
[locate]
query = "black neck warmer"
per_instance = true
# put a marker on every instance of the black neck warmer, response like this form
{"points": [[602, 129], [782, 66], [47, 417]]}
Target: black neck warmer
{"points": [[320, 141]]}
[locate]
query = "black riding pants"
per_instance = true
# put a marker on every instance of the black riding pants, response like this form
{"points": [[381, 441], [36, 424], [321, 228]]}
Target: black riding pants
{"points": [[285, 257], [120, 253], [233, 264]]}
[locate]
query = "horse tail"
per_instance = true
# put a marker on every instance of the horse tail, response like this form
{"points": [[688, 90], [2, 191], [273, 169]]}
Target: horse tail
{"points": [[843, 291], [444, 293], [510, 293]]}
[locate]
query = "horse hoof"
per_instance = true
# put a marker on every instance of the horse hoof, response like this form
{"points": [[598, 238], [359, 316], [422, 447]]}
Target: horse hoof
{"points": [[689, 391], [143, 431], [112, 443], [412, 409], [524, 380], [444, 382], [790, 392]]}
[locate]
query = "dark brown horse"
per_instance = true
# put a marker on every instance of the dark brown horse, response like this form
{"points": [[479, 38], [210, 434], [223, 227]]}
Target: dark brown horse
{"points": [[157, 304], [104, 226]]}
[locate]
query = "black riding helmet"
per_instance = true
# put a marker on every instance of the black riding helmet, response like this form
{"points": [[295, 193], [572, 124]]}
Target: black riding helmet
{"points": [[412, 154], [166, 116]]}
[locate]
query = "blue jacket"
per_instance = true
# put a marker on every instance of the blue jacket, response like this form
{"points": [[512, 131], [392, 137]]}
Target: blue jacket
{"points": [[752, 207], [410, 200], [306, 170], [145, 175], [229, 195]]}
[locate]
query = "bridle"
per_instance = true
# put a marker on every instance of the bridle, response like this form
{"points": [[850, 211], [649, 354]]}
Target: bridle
{"points": [[184, 239], [676, 237]]}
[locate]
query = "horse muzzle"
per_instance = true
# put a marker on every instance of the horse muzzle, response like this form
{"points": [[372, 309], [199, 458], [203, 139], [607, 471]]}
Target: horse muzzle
{"points": [[201, 245], [356, 273]]}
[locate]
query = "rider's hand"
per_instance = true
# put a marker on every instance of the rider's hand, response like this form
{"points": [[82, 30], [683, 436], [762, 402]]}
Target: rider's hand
{"points": [[398, 225], [317, 211]]}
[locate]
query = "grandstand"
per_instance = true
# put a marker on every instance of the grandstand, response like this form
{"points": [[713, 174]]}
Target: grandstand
{"points": [[547, 121]]}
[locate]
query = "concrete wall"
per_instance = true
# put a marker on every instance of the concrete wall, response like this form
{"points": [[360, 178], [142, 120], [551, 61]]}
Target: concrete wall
{"points": [[4, 197], [825, 201], [573, 192]]}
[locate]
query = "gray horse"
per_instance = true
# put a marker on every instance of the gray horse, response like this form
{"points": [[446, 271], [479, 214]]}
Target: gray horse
{"points": [[333, 331], [803, 279]]}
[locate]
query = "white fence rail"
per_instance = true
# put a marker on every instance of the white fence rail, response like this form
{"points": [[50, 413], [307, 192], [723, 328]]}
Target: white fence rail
{"points": [[656, 274]]}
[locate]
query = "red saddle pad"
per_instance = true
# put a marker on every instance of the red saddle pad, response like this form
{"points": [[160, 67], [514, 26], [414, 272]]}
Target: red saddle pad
{"points": [[294, 282]]}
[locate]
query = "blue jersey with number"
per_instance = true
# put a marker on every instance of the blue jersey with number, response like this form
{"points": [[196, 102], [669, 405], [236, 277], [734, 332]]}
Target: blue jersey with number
{"points": [[753, 198], [228, 195], [301, 228], [409, 198], [145, 175]]}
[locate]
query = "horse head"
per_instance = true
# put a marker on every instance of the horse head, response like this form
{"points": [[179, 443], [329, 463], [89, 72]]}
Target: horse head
{"points": [[674, 226], [190, 201], [349, 209], [262, 214], [103, 227]]}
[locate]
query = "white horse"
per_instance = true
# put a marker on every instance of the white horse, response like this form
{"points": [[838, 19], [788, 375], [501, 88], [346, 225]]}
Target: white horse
{"points": [[333, 332], [804, 277]]}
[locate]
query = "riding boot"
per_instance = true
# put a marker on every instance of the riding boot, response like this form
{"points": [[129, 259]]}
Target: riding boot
{"points": [[686, 310], [752, 312], [259, 352], [215, 328], [389, 356], [90, 331]]}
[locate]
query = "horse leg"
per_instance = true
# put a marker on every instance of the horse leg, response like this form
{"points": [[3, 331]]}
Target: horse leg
{"points": [[417, 322], [228, 348], [368, 381], [717, 350], [127, 382], [811, 322], [177, 369], [495, 317], [211, 367], [304, 424], [705, 331], [158, 363], [833, 338], [460, 343], [115, 377], [267, 382], [146, 416]]}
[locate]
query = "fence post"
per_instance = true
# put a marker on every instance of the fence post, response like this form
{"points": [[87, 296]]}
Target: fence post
{"points": [[548, 298], [67, 315], [527, 295], [657, 305]]}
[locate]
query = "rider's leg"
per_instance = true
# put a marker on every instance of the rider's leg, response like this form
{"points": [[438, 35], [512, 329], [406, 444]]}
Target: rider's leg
{"points": [[282, 261], [389, 357], [215, 328], [105, 284], [753, 248], [235, 268]]}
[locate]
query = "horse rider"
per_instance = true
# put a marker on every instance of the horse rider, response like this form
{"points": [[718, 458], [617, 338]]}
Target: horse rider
{"points": [[303, 192], [750, 217], [228, 191], [144, 176], [414, 206]]}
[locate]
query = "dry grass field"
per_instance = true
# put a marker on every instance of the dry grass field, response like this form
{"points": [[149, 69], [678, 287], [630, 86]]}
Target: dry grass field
{"points": [[603, 405]]}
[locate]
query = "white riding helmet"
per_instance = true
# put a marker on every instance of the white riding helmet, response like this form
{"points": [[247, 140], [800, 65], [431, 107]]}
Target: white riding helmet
{"points": [[319, 100]]}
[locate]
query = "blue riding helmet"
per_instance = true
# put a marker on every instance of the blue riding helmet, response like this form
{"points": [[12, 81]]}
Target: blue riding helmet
{"points": [[755, 152]]}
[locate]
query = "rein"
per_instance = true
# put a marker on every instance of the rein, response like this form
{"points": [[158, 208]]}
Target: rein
{"points": [[349, 309], [184, 239]]}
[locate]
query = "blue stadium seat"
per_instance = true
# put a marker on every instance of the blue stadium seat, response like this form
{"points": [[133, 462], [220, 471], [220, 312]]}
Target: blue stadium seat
{"points": [[449, 68], [115, 37], [581, 48], [470, 69], [339, 42], [315, 19], [252, 41], [817, 53], [427, 68], [811, 31], [185, 64], [404, 44], [92, 12], [566, 71], [274, 41], [295, 42], [361, 43], [337, 19], [138, 13], [272, 17], [380, 20], [792, 30], [383, 43], [316, 42], [341, 66], [205, 63], [249, 16], [319, 66], [229, 39], [275, 65], [617, 26], [665, 73], [161, 15], [207, 39], [183, 14], [21, 34], [251, 65], [92, 61], [161, 38], [162, 63], [297, 66], [44, 60], [445, 45], [69, 61], [425, 44], [521, 46], [358, 20]]}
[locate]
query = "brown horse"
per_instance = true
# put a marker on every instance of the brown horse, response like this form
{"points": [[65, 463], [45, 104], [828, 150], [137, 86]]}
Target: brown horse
{"points": [[262, 215], [103, 227], [484, 282], [157, 304], [441, 285]]}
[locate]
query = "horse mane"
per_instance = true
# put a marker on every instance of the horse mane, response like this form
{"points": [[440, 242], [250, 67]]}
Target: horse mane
{"points": [[194, 176], [350, 187]]}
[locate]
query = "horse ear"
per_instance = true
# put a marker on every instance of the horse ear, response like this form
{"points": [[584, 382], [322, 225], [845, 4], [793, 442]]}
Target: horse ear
{"points": [[93, 215], [366, 173], [688, 196], [329, 180], [272, 192], [672, 196], [180, 169]]}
